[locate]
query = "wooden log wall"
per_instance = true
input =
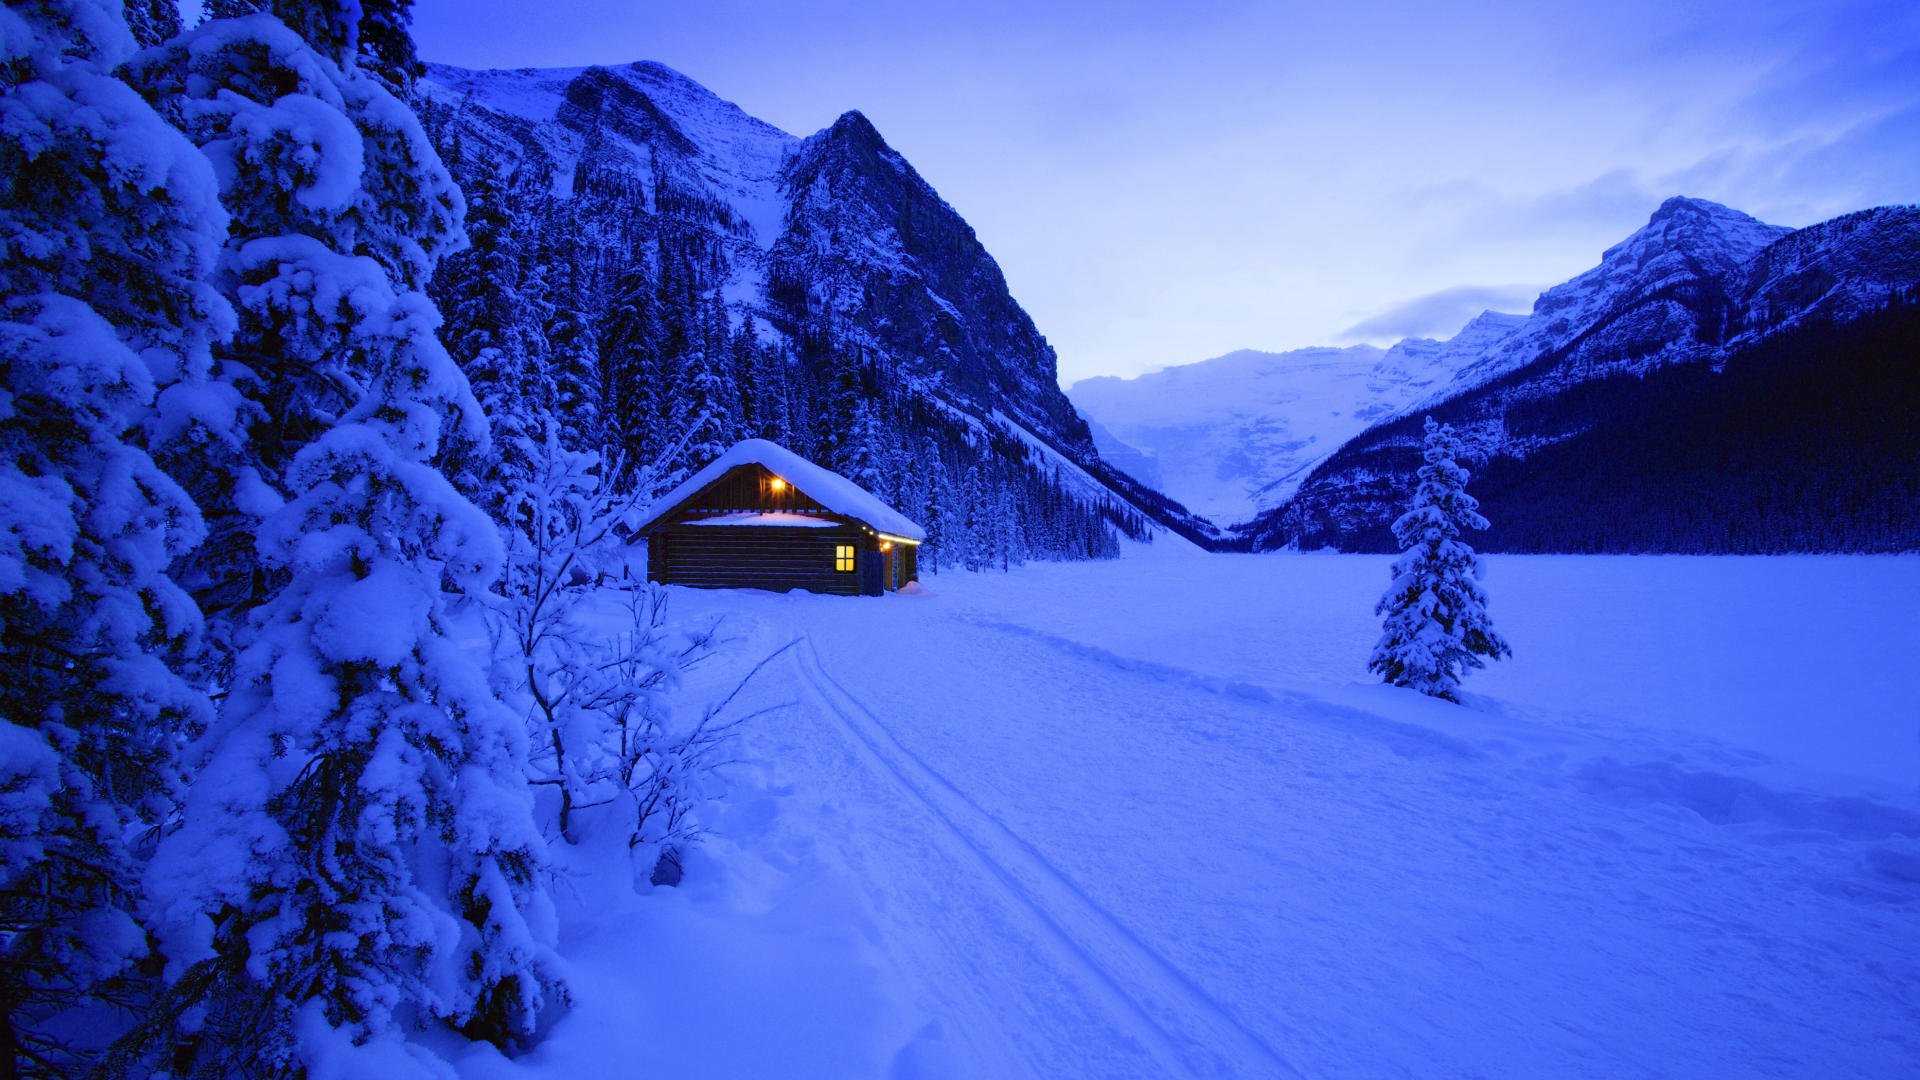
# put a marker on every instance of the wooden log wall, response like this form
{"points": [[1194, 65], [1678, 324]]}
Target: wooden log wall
{"points": [[755, 557]]}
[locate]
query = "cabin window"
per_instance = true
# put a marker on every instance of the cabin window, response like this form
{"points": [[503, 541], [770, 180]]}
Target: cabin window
{"points": [[843, 557]]}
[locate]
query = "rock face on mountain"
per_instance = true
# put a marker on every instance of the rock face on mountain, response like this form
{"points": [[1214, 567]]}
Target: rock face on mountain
{"points": [[1715, 384], [1235, 435], [823, 272], [870, 242], [1660, 296]]}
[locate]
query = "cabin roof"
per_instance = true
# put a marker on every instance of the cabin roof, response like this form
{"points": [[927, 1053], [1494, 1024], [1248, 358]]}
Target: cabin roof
{"points": [[836, 493], [778, 519]]}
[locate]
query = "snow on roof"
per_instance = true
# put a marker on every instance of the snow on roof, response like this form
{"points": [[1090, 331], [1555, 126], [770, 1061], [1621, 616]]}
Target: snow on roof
{"points": [[831, 490], [777, 518]]}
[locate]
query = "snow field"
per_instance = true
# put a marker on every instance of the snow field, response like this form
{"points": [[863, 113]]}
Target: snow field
{"points": [[1147, 817]]}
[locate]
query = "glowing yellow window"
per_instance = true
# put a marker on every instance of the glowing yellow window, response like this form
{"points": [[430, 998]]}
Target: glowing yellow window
{"points": [[843, 557]]}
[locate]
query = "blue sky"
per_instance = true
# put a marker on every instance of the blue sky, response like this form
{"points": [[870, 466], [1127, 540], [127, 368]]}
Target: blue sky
{"points": [[1168, 182]]}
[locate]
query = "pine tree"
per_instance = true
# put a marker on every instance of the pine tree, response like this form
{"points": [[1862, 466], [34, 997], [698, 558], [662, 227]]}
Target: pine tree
{"points": [[1436, 626], [152, 21], [866, 451], [385, 45], [359, 846], [629, 365], [976, 541], [574, 342], [709, 416], [108, 228], [496, 308], [761, 396]]}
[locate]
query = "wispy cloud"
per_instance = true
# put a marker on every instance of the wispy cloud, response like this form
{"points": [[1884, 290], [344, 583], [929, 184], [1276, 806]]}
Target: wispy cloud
{"points": [[1441, 314], [1610, 205]]}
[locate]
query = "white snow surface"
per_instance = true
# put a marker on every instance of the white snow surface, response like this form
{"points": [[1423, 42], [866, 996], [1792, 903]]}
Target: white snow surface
{"points": [[828, 488], [1150, 817], [777, 519], [1235, 435]]}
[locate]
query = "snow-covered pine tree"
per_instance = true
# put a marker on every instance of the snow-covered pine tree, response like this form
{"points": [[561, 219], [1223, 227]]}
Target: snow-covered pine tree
{"points": [[495, 305], [385, 45], [358, 851], [629, 366], [373, 36], [712, 402], [574, 344], [866, 462], [976, 542], [762, 395], [108, 228], [1436, 626], [152, 21]]}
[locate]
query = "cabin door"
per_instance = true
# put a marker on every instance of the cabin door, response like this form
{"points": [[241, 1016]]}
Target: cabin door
{"points": [[873, 572]]}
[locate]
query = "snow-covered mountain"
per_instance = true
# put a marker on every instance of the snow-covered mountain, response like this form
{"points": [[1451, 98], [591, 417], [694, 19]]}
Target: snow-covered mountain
{"points": [[1234, 435], [853, 273], [1660, 296], [1710, 371]]}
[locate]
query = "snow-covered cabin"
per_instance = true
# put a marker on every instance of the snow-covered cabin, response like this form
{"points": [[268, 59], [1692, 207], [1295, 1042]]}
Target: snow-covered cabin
{"points": [[763, 517]]}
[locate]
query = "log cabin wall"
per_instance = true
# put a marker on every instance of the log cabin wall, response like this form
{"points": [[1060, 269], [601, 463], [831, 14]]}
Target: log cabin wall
{"points": [[756, 557]]}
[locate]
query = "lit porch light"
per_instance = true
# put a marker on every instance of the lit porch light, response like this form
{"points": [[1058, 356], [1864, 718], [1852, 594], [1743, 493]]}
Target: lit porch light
{"points": [[778, 484]]}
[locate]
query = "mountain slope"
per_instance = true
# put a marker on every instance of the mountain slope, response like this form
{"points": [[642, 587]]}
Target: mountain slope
{"points": [[1705, 337], [735, 280]]}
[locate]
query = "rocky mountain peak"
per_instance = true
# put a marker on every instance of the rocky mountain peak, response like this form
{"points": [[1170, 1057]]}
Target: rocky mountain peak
{"points": [[853, 124], [1720, 238]]}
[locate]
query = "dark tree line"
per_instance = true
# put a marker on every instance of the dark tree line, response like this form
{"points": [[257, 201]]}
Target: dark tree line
{"points": [[1805, 442]]}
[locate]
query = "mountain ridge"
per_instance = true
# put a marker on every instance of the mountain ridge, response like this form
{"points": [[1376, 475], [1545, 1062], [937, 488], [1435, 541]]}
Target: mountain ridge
{"points": [[1700, 287]]}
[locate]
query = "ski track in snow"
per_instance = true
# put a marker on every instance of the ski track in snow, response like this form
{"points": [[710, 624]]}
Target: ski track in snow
{"points": [[1193, 1033]]}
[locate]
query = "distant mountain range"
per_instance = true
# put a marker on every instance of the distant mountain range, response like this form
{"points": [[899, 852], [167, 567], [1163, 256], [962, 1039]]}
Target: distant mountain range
{"points": [[1715, 384], [1234, 435]]}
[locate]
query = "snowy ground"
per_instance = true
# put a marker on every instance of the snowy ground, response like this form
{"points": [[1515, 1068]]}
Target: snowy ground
{"points": [[1150, 817]]}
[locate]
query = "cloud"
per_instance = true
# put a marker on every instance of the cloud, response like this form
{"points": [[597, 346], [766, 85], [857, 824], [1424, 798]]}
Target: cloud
{"points": [[1587, 216], [1441, 314], [1607, 199], [1809, 179]]}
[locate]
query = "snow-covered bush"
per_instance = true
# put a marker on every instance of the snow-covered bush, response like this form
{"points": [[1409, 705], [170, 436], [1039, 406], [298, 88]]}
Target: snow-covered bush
{"points": [[1436, 626], [561, 534], [597, 686], [108, 227], [664, 771]]}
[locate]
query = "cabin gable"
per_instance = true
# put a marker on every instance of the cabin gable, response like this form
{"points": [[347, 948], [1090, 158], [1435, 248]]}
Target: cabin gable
{"points": [[748, 488]]}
